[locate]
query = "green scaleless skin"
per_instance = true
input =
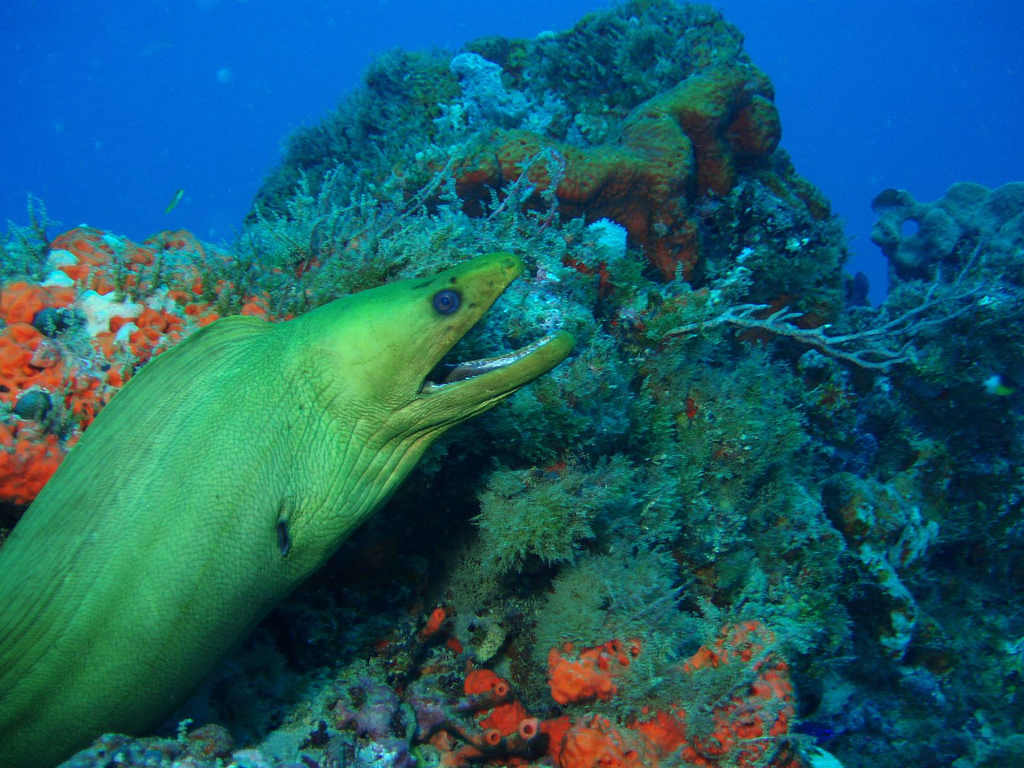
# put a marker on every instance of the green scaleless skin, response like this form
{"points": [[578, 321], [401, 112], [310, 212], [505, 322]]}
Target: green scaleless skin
{"points": [[223, 475]]}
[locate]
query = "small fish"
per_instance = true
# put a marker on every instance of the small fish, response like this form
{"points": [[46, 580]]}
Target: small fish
{"points": [[175, 200]]}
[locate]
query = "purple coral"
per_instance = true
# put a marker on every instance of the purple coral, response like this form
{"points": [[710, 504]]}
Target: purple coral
{"points": [[367, 707]]}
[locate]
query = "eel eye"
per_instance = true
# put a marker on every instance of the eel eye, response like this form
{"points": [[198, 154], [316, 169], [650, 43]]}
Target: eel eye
{"points": [[446, 301]]}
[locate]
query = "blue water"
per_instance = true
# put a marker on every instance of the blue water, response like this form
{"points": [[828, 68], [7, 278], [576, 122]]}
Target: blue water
{"points": [[107, 108]]}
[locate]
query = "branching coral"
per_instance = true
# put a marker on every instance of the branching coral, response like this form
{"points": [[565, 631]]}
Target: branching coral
{"points": [[878, 347]]}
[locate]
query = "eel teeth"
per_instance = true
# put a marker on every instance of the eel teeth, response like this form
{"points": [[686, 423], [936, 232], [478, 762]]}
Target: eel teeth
{"points": [[448, 373]]}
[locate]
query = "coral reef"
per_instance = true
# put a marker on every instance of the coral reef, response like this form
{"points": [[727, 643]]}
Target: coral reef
{"points": [[748, 521], [738, 712], [915, 236], [646, 115], [884, 529]]}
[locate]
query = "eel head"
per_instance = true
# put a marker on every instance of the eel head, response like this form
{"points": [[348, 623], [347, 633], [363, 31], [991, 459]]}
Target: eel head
{"points": [[374, 360]]}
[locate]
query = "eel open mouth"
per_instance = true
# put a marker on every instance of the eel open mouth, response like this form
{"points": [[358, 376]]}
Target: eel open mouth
{"points": [[446, 373]]}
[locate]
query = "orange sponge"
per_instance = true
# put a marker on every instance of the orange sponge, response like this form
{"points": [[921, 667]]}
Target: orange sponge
{"points": [[599, 744], [25, 364], [27, 460], [592, 674], [20, 301], [745, 724], [87, 244]]}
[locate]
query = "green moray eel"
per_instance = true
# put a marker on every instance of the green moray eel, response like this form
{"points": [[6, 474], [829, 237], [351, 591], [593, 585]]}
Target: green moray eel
{"points": [[221, 476]]}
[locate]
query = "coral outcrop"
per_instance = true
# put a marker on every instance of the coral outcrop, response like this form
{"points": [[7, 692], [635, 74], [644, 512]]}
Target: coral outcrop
{"points": [[688, 142], [915, 236], [441, 717], [648, 116]]}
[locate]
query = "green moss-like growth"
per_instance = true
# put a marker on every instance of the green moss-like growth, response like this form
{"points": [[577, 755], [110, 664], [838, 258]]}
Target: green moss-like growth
{"points": [[631, 53], [370, 132], [24, 249], [548, 514]]}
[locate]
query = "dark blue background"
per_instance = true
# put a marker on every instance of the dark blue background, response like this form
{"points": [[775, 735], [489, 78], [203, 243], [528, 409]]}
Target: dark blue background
{"points": [[107, 108]]}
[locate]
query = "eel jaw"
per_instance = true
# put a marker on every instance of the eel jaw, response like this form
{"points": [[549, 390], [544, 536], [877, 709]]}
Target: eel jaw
{"points": [[445, 374], [476, 385]]}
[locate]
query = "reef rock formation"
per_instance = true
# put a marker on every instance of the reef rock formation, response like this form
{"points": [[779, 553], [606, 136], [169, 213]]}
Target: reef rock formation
{"points": [[651, 116], [690, 141], [968, 211]]}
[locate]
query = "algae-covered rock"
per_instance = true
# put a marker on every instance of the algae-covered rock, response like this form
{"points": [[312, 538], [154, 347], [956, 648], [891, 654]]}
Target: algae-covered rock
{"points": [[915, 235]]}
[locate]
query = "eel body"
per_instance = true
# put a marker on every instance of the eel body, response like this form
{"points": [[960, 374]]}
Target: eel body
{"points": [[220, 477]]}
